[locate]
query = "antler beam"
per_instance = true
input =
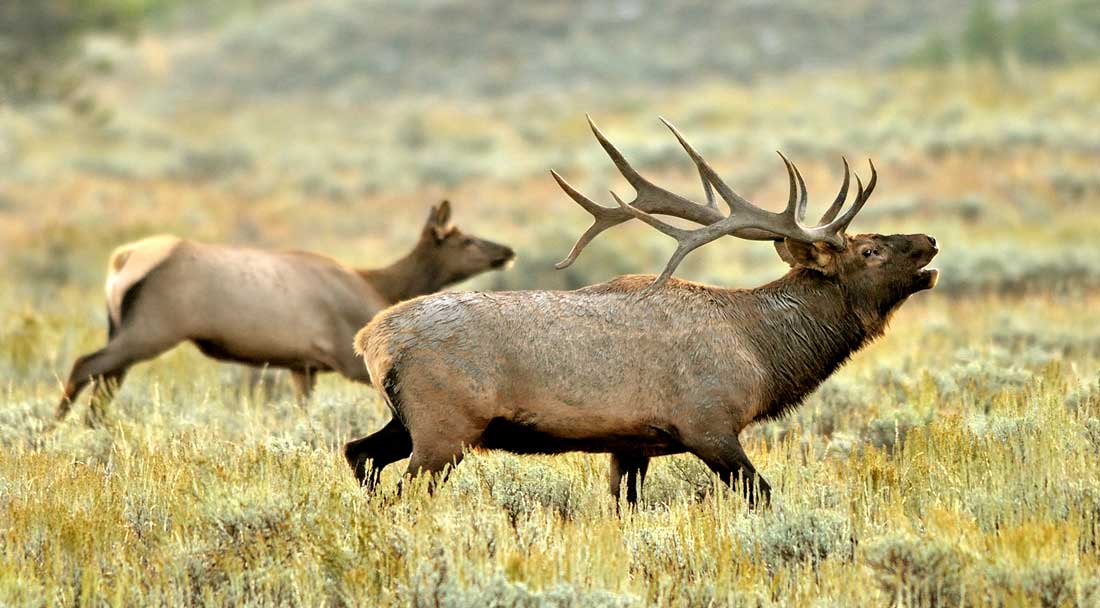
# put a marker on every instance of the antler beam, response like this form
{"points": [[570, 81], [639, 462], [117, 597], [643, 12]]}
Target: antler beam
{"points": [[745, 220]]}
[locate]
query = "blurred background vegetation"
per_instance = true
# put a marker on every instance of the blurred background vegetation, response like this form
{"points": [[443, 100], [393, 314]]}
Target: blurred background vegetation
{"points": [[300, 124], [951, 463]]}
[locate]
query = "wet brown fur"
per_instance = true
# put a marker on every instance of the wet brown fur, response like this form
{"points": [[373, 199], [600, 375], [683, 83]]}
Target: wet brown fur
{"points": [[614, 368]]}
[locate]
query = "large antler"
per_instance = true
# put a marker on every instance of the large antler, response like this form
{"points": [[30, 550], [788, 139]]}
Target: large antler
{"points": [[650, 198], [745, 220]]}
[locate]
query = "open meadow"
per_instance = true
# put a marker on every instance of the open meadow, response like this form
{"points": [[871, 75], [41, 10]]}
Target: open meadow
{"points": [[954, 462]]}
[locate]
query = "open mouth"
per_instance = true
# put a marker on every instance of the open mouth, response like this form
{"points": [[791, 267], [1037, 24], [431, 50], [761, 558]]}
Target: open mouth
{"points": [[930, 276]]}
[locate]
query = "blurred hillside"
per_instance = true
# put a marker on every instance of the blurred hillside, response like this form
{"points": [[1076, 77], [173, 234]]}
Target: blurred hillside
{"points": [[356, 50], [332, 125], [367, 49]]}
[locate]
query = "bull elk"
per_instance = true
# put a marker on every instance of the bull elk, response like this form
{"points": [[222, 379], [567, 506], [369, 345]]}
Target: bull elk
{"points": [[295, 310], [639, 366]]}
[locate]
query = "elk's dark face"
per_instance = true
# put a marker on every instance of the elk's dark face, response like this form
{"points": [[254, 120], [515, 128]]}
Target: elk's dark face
{"points": [[458, 255], [893, 264], [881, 270]]}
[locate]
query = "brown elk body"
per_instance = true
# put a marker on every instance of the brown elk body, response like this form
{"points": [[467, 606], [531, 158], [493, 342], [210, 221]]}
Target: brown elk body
{"points": [[293, 310], [637, 367]]}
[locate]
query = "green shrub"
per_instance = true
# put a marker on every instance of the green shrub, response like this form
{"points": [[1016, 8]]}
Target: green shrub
{"points": [[432, 585], [918, 570], [212, 164], [1037, 35], [1045, 584], [793, 538], [983, 35], [934, 52], [888, 430]]}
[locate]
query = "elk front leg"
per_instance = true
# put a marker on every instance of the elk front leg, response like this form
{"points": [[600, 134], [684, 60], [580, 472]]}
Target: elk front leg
{"points": [[726, 457], [261, 383], [304, 382], [633, 466]]}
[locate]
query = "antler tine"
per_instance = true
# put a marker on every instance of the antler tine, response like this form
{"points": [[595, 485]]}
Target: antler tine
{"points": [[802, 202], [760, 230], [589, 205], [842, 221], [874, 179], [593, 231], [733, 200], [709, 191], [642, 185], [686, 240], [841, 196], [603, 218], [840, 224], [792, 188], [650, 198], [630, 173], [795, 208]]}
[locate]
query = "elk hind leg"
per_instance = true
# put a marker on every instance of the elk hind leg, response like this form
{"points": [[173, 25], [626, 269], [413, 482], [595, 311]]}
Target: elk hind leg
{"points": [[382, 448], [80, 376], [435, 463], [107, 367], [103, 366], [441, 446], [106, 386]]}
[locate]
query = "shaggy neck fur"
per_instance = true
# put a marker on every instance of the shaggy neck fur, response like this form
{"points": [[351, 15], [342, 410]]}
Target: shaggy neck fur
{"points": [[808, 326]]}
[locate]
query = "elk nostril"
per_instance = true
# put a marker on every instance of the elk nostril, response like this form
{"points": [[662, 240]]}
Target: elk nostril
{"points": [[932, 240]]}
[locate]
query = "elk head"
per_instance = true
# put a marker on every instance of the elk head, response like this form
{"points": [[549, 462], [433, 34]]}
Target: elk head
{"points": [[879, 271], [455, 254]]}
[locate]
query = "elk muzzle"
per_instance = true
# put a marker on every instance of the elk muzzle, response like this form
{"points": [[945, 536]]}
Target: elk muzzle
{"points": [[924, 247], [503, 255]]}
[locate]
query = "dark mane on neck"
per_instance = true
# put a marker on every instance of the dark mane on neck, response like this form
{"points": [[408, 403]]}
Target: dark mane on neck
{"points": [[806, 327], [803, 326]]}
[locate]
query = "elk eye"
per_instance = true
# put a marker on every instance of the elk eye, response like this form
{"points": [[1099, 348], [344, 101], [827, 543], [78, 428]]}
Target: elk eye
{"points": [[869, 252]]}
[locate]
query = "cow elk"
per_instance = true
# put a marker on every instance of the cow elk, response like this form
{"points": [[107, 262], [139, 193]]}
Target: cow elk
{"points": [[639, 366], [294, 310]]}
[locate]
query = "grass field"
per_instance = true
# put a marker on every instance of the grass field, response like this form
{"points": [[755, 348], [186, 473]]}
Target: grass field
{"points": [[950, 463], [954, 462]]}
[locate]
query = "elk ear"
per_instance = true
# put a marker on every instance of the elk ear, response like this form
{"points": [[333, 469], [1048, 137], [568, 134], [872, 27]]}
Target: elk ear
{"points": [[817, 256], [436, 226], [443, 213]]}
